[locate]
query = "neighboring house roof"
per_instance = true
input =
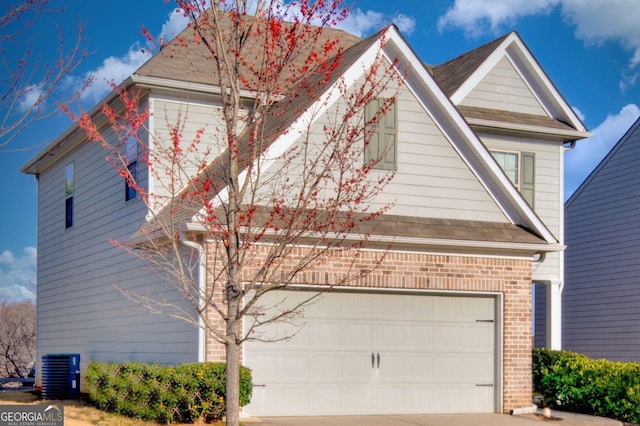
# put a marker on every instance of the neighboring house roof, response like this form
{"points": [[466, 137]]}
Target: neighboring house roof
{"points": [[635, 127]]}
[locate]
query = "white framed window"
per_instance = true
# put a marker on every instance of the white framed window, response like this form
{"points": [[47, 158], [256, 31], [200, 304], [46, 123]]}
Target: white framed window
{"points": [[509, 162]]}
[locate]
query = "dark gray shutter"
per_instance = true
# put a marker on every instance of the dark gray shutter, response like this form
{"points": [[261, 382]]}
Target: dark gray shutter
{"points": [[372, 151], [382, 140], [389, 130], [527, 176]]}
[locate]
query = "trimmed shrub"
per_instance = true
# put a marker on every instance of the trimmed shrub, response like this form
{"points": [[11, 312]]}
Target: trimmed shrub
{"points": [[574, 382], [162, 394]]}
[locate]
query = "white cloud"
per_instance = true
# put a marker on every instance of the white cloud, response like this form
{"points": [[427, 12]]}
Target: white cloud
{"points": [[118, 68], [476, 17], [114, 69], [174, 25], [362, 23], [598, 21], [17, 275], [588, 153], [595, 22], [30, 97]]}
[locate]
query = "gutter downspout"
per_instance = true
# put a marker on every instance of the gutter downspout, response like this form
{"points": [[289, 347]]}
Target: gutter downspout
{"points": [[201, 288], [568, 146]]}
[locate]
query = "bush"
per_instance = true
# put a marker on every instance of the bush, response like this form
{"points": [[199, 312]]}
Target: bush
{"points": [[574, 382], [182, 394]]}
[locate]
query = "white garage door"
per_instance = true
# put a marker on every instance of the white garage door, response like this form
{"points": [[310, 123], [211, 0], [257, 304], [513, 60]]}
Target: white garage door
{"points": [[364, 353]]}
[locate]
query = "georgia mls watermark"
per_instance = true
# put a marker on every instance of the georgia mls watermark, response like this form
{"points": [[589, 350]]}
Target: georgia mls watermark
{"points": [[31, 415]]}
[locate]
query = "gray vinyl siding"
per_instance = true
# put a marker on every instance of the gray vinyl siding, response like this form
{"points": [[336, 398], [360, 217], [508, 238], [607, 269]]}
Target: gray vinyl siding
{"points": [[80, 309], [539, 315], [602, 286], [432, 179], [503, 88]]}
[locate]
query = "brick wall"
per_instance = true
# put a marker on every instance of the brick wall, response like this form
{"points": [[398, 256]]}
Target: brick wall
{"points": [[420, 271]]}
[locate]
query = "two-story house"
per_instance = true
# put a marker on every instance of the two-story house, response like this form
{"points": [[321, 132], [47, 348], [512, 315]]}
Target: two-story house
{"points": [[476, 218]]}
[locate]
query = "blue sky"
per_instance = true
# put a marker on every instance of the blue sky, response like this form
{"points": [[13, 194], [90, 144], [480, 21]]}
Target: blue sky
{"points": [[589, 49]]}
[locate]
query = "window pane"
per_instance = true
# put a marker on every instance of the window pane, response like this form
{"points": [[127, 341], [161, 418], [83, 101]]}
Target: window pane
{"points": [[68, 212], [130, 191], [131, 150], [68, 171], [508, 162]]}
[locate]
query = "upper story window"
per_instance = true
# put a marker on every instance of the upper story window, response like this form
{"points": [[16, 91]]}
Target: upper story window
{"points": [[520, 169], [382, 144], [131, 153], [68, 196]]}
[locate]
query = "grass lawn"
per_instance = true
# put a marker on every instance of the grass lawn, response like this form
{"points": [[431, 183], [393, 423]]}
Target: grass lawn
{"points": [[76, 413]]}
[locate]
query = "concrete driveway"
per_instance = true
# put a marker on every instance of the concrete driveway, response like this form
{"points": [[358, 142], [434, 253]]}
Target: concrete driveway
{"points": [[567, 419]]}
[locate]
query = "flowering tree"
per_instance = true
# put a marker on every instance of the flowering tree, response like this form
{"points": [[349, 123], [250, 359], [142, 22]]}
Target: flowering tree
{"points": [[271, 191], [27, 88]]}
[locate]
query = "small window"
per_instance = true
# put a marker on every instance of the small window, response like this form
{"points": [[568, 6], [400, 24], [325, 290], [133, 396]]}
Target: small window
{"points": [[131, 153], [382, 146], [509, 162], [68, 196], [520, 169]]}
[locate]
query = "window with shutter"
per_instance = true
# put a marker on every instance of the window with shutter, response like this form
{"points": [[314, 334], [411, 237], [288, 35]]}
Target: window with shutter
{"points": [[520, 169]]}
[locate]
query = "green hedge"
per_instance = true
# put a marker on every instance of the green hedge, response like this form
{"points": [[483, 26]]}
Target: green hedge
{"points": [[182, 394], [573, 382]]}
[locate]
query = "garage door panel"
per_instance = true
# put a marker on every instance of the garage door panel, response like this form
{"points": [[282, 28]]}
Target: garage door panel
{"points": [[419, 336], [477, 369], [389, 336], [448, 337], [478, 337], [355, 305], [294, 367], [357, 399], [477, 398], [326, 334], [356, 367], [389, 399], [418, 368], [326, 368], [433, 355], [476, 308], [447, 309]]}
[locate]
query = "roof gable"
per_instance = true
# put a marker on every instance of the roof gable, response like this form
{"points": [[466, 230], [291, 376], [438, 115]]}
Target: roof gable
{"points": [[483, 61], [452, 124]]}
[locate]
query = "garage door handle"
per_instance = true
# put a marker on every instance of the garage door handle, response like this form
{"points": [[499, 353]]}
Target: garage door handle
{"points": [[375, 357], [485, 385]]}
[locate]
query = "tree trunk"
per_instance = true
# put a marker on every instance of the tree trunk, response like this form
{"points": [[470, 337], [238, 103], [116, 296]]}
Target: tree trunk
{"points": [[233, 365]]}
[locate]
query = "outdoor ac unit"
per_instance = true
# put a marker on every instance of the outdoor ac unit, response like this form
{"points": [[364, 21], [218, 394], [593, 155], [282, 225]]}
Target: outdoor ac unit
{"points": [[60, 376]]}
